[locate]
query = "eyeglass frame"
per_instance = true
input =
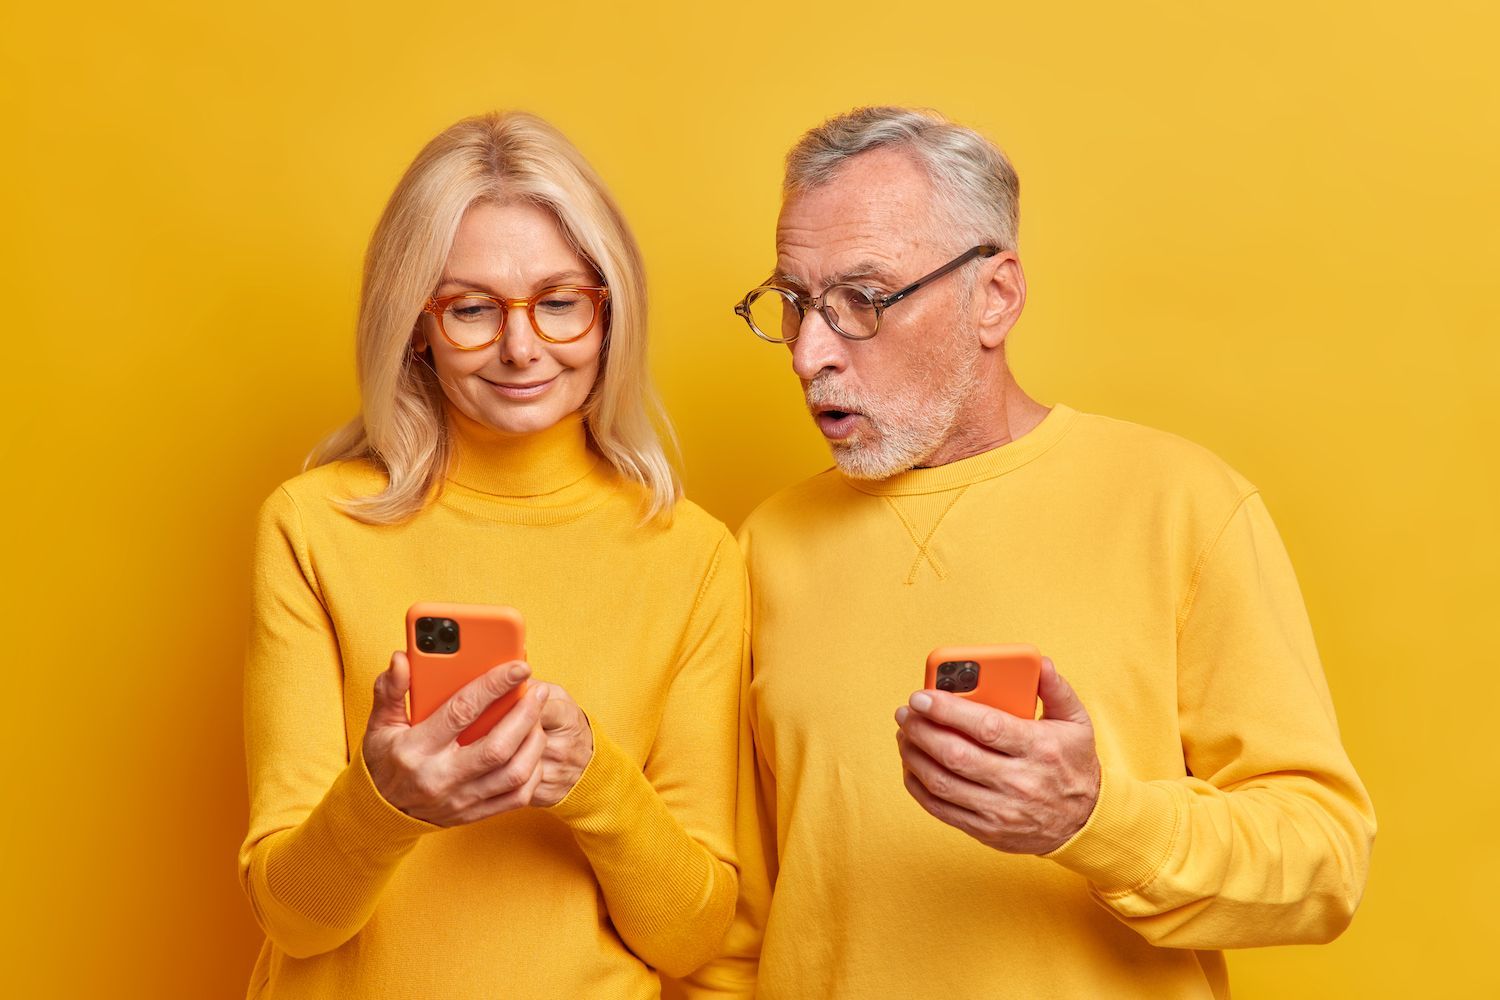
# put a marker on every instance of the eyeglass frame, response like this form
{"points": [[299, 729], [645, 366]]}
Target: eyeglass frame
{"points": [[880, 303], [437, 305]]}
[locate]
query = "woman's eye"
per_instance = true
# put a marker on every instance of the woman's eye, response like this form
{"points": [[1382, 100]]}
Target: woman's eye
{"points": [[559, 304], [470, 311]]}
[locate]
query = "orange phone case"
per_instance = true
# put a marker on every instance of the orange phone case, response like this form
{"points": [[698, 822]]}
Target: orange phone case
{"points": [[1008, 674], [488, 635]]}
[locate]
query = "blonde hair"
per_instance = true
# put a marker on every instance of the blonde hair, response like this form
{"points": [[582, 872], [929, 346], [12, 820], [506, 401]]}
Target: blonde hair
{"points": [[401, 427], [976, 188]]}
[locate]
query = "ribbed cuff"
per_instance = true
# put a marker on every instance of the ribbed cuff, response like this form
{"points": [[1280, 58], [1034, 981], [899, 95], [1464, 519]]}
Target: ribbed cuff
{"points": [[592, 805], [362, 821], [1127, 838]]}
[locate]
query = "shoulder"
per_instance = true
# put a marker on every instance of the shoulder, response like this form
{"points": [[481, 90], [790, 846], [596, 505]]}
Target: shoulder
{"points": [[695, 531], [1145, 458], [792, 506], [315, 495]]}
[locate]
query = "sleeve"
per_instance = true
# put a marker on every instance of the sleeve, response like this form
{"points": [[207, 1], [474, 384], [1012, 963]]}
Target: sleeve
{"points": [[1267, 839], [733, 972], [661, 839], [322, 841]]}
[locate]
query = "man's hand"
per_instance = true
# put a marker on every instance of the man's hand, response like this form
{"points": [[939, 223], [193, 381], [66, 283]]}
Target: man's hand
{"points": [[1023, 786]]}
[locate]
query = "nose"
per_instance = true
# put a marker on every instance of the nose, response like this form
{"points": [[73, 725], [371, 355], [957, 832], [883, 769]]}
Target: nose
{"points": [[817, 348], [520, 347]]}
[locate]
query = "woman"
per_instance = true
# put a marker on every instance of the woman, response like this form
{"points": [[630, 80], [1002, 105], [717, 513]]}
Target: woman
{"points": [[505, 454]]}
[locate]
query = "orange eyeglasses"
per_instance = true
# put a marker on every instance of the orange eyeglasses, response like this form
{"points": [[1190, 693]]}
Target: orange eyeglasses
{"points": [[471, 321]]}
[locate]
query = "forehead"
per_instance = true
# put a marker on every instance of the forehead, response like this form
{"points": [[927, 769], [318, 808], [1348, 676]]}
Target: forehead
{"points": [[514, 241], [875, 211]]}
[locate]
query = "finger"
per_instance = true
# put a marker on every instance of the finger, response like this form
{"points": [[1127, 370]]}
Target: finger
{"points": [[389, 706], [515, 772], [469, 702], [505, 802], [497, 747], [1059, 700], [943, 783], [954, 816], [954, 751], [990, 726], [560, 712]]}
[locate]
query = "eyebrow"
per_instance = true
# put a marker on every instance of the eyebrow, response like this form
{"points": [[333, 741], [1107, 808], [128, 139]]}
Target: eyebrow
{"points": [[571, 276], [862, 270]]}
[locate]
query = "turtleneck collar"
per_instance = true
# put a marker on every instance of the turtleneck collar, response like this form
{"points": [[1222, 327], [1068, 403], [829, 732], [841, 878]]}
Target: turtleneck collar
{"points": [[975, 468], [518, 465]]}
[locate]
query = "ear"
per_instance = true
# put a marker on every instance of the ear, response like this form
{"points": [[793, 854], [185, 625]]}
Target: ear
{"points": [[1000, 297], [418, 338]]}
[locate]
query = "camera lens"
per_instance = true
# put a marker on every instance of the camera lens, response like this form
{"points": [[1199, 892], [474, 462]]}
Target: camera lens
{"points": [[945, 684], [948, 668], [448, 632], [968, 675], [426, 643], [425, 624]]}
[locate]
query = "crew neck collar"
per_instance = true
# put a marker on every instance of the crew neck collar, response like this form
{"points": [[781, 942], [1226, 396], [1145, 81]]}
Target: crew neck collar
{"points": [[976, 468]]}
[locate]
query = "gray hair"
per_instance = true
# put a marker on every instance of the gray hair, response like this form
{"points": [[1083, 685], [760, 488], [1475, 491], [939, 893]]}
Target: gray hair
{"points": [[976, 187]]}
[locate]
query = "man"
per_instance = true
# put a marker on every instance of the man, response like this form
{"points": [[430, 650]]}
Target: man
{"points": [[1183, 791]]}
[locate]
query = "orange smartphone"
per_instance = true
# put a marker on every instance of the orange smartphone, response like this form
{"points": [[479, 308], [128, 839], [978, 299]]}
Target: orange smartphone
{"points": [[1001, 676], [448, 645]]}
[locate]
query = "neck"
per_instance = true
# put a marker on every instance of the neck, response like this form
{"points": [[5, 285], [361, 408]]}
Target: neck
{"points": [[998, 413], [518, 465]]}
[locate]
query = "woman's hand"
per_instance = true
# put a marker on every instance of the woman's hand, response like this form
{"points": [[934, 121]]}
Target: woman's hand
{"points": [[421, 770], [570, 746]]}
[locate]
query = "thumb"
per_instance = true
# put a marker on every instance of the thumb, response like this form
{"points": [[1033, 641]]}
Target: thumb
{"points": [[1059, 700], [389, 708]]}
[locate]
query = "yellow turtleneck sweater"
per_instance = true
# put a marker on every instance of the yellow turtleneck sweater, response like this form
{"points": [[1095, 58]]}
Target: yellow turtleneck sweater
{"points": [[645, 626], [1229, 814]]}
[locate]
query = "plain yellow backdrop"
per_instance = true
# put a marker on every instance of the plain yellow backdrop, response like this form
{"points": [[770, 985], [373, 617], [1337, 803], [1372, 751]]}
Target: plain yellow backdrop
{"points": [[1270, 228]]}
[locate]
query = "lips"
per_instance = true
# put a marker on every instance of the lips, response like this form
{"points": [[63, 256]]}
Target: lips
{"points": [[836, 424], [521, 390]]}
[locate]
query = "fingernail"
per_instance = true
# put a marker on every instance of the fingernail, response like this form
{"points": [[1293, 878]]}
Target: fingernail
{"points": [[901, 714], [519, 672], [921, 701]]}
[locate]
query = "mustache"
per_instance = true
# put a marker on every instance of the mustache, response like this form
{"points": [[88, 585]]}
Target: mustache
{"points": [[821, 392]]}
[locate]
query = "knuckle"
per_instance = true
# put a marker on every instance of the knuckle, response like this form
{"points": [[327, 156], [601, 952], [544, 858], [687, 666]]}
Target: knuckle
{"points": [[514, 776], [954, 756], [491, 755], [460, 711], [426, 785], [991, 727]]}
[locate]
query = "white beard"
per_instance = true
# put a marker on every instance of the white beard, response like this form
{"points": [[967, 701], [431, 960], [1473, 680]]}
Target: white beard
{"points": [[907, 430]]}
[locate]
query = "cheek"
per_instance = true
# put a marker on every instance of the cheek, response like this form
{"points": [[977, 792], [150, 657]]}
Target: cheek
{"points": [[581, 359], [454, 364]]}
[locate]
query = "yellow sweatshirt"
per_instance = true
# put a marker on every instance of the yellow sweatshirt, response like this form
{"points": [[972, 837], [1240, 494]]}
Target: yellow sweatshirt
{"points": [[1229, 814], [644, 626]]}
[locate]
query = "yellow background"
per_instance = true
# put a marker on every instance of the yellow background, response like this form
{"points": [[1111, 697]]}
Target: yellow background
{"points": [[1268, 227]]}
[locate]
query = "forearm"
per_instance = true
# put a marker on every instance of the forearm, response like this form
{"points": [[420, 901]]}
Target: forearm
{"points": [[314, 885], [1280, 859], [669, 897]]}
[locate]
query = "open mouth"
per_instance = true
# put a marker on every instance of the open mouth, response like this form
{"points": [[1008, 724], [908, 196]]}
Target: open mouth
{"points": [[836, 424]]}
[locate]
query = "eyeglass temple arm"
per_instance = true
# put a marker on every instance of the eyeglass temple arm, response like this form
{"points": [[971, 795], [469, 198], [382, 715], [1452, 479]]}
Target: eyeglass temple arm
{"points": [[983, 250]]}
